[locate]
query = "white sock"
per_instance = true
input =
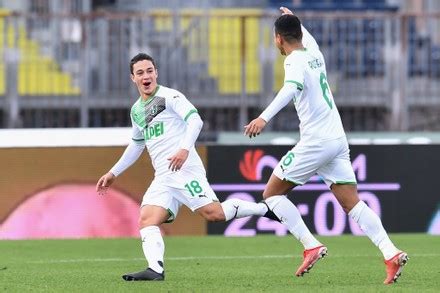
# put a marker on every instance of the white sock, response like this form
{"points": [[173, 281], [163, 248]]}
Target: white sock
{"points": [[237, 208], [371, 225], [153, 247], [289, 215]]}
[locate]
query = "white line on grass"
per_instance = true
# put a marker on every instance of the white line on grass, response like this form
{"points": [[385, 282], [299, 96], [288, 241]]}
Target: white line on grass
{"points": [[220, 257], [176, 258]]}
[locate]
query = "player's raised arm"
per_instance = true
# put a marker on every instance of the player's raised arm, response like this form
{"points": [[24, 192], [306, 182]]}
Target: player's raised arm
{"points": [[308, 40]]}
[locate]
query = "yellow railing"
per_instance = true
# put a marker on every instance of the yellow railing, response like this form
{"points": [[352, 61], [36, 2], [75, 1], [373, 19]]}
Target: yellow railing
{"points": [[228, 37], [37, 74], [229, 32]]}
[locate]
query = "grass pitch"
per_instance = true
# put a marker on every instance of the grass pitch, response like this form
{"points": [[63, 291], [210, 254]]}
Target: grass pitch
{"points": [[215, 264]]}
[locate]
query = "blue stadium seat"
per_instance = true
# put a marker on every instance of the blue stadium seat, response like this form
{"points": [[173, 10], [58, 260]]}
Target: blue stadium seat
{"points": [[435, 61], [336, 5]]}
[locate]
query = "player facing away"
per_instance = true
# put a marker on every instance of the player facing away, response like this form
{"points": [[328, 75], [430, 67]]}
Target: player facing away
{"points": [[322, 148], [167, 124]]}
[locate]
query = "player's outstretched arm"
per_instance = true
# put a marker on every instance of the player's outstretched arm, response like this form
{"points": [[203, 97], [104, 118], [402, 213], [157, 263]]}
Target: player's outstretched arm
{"points": [[130, 155], [284, 96]]}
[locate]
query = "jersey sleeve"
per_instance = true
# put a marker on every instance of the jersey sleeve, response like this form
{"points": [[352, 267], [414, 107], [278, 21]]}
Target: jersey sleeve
{"points": [[308, 40], [130, 155], [294, 72], [194, 126], [136, 135], [287, 93], [181, 106]]}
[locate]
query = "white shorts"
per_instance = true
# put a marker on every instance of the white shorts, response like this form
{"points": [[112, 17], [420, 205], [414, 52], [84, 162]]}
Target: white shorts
{"points": [[187, 186], [329, 159]]}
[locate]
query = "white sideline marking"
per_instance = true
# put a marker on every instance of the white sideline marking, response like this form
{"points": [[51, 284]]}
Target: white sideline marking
{"points": [[177, 258], [224, 257]]}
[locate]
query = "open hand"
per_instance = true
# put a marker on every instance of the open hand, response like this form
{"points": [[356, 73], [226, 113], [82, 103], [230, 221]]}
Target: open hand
{"points": [[176, 161], [254, 127], [104, 182]]}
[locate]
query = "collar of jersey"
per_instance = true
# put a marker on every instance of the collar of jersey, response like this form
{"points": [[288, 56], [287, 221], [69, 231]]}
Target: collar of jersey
{"points": [[301, 50], [150, 97]]}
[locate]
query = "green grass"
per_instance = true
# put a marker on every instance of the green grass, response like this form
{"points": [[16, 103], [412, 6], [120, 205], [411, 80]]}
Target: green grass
{"points": [[215, 264]]}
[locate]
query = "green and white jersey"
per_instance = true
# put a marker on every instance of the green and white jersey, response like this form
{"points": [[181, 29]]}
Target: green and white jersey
{"points": [[160, 123], [319, 118]]}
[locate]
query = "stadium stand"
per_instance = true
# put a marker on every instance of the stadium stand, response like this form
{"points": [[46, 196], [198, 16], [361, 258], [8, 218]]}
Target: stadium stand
{"points": [[228, 37], [37, 74], [198, 48], [326, 5]]}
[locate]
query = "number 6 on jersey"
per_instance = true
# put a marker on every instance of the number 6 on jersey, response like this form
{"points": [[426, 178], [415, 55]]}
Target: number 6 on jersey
{"points": [[325, 89]]}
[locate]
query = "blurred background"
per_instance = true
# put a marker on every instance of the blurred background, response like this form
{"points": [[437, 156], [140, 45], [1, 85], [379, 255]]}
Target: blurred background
{"points": [[65, 65], [65, 61]]}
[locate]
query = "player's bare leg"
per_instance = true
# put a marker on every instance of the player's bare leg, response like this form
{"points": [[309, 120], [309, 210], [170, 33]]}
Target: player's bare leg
{"points": [[232, 209], [286, 211], [371, 225], [152, 244], [346, 194], [212, 212]]}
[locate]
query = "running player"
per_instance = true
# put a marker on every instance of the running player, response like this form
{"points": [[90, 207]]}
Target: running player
{"points": [[322, 148], [166, 123]]}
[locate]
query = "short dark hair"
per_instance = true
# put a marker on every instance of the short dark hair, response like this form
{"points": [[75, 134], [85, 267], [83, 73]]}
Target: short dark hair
{"points": [[140, 57], [289, 27]]}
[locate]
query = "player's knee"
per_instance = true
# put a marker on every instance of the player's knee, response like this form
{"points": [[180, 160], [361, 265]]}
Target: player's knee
{"points": [[147, 220], [143, 221], [348, 205]]}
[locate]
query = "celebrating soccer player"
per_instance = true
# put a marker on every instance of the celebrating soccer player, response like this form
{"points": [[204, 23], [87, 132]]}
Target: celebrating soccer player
{"points": [[322, 148], [166, 123]]}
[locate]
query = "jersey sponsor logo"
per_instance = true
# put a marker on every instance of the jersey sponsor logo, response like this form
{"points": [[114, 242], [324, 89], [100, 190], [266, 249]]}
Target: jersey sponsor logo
{"points": [[154, 131], [316, 63], [143, 114], [154, 108]]}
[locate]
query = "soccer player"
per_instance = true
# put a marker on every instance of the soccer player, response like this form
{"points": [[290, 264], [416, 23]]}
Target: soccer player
{"points": [[168, 125], [322, 148]]}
